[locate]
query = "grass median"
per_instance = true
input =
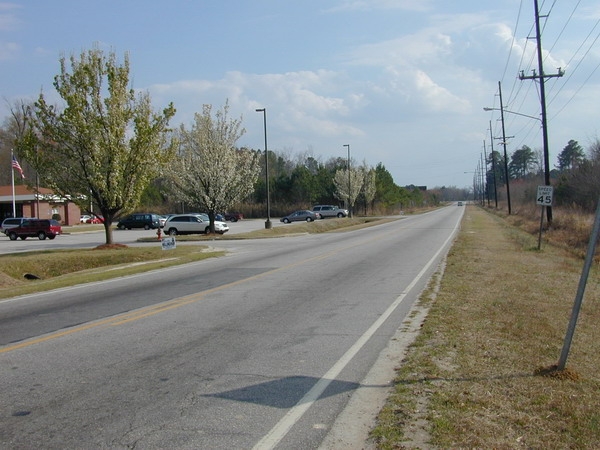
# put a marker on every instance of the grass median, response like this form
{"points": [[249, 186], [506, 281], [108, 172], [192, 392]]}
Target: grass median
{"points": [[28, 272], [480, 373]]}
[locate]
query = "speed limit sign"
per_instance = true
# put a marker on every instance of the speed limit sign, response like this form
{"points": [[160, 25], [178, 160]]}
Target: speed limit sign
{"points": [[544, 195]]}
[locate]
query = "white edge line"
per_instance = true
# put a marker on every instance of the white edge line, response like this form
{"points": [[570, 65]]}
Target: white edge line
{"points": [[278, 432]]}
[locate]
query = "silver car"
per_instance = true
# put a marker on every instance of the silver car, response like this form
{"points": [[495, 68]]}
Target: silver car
{"points": [[12, 222], [192, 224], [330, 211]]}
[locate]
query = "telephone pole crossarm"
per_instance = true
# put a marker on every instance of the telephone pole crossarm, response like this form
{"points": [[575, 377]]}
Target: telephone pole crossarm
{"points": [[535, 76]]}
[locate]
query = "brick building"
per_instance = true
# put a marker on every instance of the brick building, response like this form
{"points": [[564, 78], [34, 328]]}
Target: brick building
{"points": [[43, 205]]}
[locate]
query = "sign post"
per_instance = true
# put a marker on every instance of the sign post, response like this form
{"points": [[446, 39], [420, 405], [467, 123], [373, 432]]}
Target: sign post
{"points": [[544, 198], [589, 261]]}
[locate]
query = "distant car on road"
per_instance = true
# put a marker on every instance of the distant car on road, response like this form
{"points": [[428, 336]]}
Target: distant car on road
{"points": [[300, 216], [330, 211], [192, 224], [42, 228]]}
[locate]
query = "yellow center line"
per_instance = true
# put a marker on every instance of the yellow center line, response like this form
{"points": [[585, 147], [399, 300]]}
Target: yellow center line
{"points": [[149, 311]]}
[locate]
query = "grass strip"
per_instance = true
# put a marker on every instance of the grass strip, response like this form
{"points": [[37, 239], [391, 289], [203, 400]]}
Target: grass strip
{"points": [[479, 375]]}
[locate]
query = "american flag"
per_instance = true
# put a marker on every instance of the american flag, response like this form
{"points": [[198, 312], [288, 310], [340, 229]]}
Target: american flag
{"points": [[16, 165]]}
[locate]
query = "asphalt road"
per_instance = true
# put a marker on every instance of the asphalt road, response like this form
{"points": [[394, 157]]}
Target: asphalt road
{"points": [[261, 348]]}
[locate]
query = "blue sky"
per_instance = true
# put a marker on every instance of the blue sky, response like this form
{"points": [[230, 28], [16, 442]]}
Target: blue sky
{"points": [[403, 82]]}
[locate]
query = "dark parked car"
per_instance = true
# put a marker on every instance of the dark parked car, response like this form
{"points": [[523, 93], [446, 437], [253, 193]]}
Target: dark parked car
{"points": [[40, 228], [233, 217], [139, 220], [300, 216]]}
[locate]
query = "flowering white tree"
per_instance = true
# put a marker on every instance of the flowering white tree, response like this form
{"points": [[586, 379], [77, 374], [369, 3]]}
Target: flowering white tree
{"points": [[210, 172], [348, 188], [369, 188]]}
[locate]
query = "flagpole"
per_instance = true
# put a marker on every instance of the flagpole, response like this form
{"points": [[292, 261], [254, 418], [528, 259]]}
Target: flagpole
{"points": [[12, 180]]}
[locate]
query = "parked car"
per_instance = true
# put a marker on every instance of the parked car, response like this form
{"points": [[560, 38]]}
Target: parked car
{"points": [[140, 220], [91, 218], [12, 222], [233, 216], [206, 217], [330, 211], [42, 228], [301, 215], [192, 224]]}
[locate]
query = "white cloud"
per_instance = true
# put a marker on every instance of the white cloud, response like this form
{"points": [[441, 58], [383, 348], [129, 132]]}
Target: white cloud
{"points": [[8, 50], [438, 98], [424, 47], [371, 5], [8, 19], [296, 101]]}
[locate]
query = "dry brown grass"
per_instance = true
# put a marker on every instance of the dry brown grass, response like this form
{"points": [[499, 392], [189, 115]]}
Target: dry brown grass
{"points": [[570, 227], [482, 372]]}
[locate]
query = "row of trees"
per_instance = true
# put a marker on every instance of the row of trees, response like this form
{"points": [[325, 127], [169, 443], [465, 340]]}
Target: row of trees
{"points": [[576, 175], [108, 148]]}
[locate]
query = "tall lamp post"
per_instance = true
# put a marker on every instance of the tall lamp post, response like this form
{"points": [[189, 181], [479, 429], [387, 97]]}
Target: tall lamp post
{"points": [[268, 224], [349, 182]]}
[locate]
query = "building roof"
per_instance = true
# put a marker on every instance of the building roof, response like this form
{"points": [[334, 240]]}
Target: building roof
{"points": [[25, 193]]}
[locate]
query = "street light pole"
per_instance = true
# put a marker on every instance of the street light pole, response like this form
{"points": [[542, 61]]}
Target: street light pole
{"points": [[268, 224], [349, 182]]}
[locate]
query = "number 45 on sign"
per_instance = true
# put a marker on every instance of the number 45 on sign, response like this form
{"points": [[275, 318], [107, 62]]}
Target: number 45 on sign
{"points": [[544, 195]]}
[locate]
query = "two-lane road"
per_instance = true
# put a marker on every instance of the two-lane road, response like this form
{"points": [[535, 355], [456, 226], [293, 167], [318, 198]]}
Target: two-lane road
{"points": [[261, 348]]}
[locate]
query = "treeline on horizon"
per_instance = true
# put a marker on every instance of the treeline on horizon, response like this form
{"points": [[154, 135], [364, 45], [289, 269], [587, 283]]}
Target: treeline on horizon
{"points": [[301, 181]]}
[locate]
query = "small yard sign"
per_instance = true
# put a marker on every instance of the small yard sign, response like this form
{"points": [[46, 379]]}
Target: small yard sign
{"points": [[168, 243]]}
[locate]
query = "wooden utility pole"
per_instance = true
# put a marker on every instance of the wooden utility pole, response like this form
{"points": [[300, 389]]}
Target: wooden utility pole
{"points": [[506, 174], [541, 76]]}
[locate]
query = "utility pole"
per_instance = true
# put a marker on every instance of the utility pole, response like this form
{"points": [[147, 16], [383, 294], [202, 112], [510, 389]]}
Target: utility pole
{"points": [[493, 165], [487, 183], [484, 184], [541, 77], [506, 175]]}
